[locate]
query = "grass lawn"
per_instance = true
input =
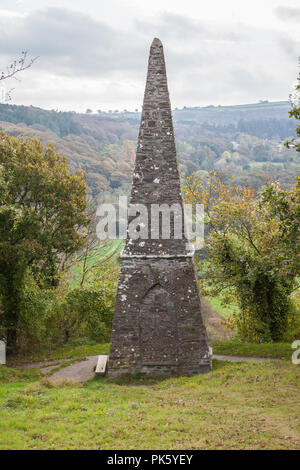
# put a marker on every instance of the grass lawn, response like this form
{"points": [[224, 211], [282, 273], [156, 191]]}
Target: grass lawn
{"points": [[271, 350], [65, 352], [237, 406]]}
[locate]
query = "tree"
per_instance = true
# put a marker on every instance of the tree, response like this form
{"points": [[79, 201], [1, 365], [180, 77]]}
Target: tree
{"points": [[14, 68], [42, 213], [295, 113], [253, 246], [88, 257]]}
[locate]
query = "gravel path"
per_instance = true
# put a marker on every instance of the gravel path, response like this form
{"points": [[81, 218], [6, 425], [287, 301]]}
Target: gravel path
{"points": [[78, 372]]}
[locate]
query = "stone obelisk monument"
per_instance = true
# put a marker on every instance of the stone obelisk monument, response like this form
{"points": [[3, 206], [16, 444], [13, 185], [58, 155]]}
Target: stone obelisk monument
{"points": [[157, 327]]}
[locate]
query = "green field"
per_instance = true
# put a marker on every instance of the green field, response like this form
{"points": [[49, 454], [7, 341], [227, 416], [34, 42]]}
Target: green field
{"points": [[269, 350], [109, 250], [224, 311], [237, 406]]}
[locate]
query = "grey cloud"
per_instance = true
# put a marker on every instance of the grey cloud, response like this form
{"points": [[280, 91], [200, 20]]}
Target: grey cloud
{"points": [[71, 42], [208, 62], [180, 28], [177, 26], [289, 46], [288, 14]]}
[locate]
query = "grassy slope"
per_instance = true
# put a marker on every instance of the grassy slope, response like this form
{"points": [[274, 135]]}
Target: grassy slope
{"points": [[236, 348], [109, 250], [225, 312], [65, 352], [236, 406]]}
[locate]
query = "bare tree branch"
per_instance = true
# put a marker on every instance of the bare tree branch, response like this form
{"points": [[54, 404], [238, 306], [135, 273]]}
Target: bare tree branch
{"points": [[17, 66]]}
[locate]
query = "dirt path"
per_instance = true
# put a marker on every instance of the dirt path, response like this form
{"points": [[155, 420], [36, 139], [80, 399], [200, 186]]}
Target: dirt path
{"points": [[42, 364], [80, 371], [212, 320], [77, 372]]}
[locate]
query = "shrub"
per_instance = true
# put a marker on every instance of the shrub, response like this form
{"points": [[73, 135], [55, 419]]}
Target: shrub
{"points": [[39, 323], [85, 312], [48, 320]]}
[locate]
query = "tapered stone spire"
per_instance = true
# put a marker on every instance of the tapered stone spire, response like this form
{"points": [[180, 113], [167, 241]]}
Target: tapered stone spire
{"points": [[157, 327], [156, 178]]}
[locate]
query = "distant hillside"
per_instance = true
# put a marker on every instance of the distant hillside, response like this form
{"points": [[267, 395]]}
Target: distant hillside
{"points": [[121, 124], [221, 115], [243, 140], [62, 123], [264, 119]]}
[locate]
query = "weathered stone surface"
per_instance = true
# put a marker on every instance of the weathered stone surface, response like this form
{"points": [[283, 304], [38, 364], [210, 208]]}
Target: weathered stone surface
{"points": [[2, 352], [157, 328], [156, 177], [101, 365]]}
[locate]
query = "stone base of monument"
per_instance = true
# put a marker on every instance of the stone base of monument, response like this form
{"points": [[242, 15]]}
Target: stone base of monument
{"points": [[162, 370], [158, 328], [157, 370]]}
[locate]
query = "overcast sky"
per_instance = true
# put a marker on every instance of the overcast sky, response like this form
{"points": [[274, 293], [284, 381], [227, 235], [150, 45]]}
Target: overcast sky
{"points": [[93, 53]]}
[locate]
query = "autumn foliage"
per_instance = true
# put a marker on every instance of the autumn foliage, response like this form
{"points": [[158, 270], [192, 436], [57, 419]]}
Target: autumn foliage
{"points": [[253, 249], [42, 214]]}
